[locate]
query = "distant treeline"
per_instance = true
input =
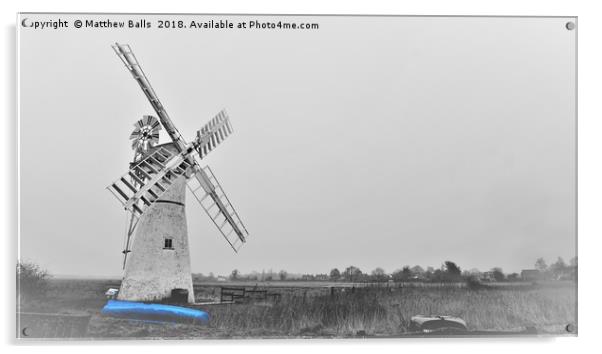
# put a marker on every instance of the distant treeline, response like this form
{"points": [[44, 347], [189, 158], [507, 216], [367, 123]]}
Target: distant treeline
{"points": [[448, 272]]}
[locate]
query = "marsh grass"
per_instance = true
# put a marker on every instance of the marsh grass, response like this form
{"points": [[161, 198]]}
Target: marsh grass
{"points": [[311, 312], [380, 311]]}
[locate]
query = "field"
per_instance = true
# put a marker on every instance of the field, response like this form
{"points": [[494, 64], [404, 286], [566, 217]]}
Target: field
{"points": [[307, 309]]}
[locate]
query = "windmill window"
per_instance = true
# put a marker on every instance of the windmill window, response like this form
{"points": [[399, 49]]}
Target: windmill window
{"points": [[168, 245]]}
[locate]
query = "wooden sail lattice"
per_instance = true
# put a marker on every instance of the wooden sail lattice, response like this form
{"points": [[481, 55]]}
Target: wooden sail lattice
{"points": [[153, 176], [147, 180], [209, 193]]}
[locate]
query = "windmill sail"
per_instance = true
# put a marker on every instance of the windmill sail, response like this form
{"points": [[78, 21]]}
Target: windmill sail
{"points": [[148, 179], [209, 193], [212, 134], [131, 63]]}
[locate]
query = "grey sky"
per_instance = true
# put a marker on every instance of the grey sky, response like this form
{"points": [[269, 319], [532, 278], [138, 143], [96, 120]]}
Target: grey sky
{"points": [[373, 141]]}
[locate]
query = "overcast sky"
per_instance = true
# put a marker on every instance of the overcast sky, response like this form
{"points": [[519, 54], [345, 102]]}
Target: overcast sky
{"points": [[373, 141]]}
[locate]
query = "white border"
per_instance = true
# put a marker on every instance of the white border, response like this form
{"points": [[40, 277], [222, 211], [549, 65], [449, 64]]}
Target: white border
{"points": [[590, 160]]}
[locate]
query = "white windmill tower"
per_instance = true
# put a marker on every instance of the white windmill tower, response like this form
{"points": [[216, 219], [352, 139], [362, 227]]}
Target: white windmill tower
{"points": [[156, 252]]}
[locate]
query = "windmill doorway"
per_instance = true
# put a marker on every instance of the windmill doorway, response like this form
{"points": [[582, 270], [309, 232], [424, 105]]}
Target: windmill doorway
{"points": [[179, 296]]}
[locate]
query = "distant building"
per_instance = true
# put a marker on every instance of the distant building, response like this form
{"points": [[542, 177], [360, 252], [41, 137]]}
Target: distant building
{"points": [[487, 276], [418, 277], [322, 277], [530, 274]]}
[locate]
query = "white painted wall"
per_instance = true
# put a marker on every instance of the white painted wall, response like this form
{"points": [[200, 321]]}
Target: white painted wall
{"points": [[151, 271]]}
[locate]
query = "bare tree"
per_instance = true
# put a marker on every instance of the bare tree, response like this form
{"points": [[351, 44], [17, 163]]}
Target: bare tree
{"points": [[559, 268], [352, 274], [403, 274], [417, 270], [335, 274], [540, 264], [32, 280], [452, 270], [498, 274], [379, 275]]}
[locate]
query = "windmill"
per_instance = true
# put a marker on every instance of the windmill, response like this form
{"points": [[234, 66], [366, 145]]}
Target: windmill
{"points": [[156, 252]]}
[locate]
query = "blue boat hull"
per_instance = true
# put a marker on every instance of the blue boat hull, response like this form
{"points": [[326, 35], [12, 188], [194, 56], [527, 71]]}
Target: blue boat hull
{"points": [[154, 312]]}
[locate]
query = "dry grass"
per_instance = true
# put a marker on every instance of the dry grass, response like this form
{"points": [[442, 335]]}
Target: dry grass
{"points": [[314, 312], [388, 311]]}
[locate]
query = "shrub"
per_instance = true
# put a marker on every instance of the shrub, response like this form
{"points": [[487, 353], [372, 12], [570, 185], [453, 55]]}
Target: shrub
{"points": [[473, 283], [32, 280]]}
